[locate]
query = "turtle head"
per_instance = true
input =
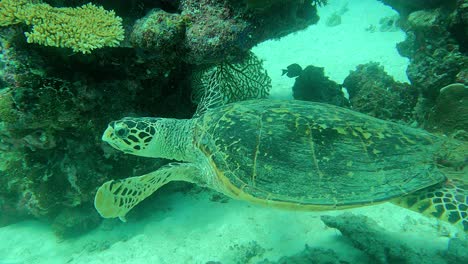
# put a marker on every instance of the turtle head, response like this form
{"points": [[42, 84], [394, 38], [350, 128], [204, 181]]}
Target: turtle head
{"points": [[136, 136]]}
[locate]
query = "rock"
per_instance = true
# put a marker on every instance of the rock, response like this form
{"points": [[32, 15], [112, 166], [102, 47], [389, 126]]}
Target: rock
{"points": [[424, 20], [313, 85], [159, 32], [382, 246], [372, 91], [309, 255], [450, 113], [405, 7], [457, 251], [72, 222]]}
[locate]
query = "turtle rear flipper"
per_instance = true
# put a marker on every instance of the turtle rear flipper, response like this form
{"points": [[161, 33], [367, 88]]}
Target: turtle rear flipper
{"points": [[116, 198], [447, 201]]}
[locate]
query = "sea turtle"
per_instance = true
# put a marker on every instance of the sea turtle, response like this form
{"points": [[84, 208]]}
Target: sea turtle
{"points": [[292, 154]]}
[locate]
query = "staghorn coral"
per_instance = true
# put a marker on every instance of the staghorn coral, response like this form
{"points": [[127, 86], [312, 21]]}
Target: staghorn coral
{"points": [[11, 12], [83, 28]]}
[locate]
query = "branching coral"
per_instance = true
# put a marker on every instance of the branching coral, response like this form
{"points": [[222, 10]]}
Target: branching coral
{"points": [[83, 28]]}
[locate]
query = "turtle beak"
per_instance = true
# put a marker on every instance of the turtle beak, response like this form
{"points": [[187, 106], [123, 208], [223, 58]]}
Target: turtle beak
{"points": [[107, 134]]}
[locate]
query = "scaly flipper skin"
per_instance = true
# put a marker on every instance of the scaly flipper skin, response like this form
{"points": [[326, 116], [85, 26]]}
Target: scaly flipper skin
{"points": [[447, 201], [116, 198]]}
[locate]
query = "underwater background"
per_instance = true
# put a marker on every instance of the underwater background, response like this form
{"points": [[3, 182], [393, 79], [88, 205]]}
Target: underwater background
{"points": [[67, 71]]}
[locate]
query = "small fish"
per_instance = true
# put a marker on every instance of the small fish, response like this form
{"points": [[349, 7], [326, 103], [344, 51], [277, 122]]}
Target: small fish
{"points": [[292, 70]]}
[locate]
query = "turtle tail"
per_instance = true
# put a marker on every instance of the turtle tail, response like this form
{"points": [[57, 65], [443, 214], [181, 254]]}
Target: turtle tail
{"points": [[447, 201]]}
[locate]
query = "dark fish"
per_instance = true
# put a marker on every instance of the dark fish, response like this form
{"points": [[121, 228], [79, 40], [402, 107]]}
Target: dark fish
{"points": [[292, 70]]}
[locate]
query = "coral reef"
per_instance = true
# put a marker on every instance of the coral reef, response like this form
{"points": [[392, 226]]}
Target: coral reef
{"points": [[159, 33], [405, 7], [56, 102], [52, 117], [313, 85], [216, 31], [435, 56], [224, 30], [450, 113], [372, 91], [436, 46], [200, 32], [457, 25], [83, 28]]}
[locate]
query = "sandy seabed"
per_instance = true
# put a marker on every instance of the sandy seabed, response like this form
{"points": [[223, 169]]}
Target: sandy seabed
{"points": [[190, 228]]}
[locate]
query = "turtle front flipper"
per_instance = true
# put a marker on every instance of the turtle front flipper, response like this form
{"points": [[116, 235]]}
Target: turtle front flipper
{"points": [[116, 198], [447, 201]]}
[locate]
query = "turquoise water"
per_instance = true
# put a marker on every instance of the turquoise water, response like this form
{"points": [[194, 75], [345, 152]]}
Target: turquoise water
{"points": [[55, 105]]}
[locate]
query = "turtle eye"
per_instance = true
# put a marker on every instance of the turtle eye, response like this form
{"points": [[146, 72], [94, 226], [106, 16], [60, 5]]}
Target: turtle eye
{"points": [[121, 132]]}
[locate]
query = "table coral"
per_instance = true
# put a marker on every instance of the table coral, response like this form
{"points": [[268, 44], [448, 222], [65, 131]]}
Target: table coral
{"points": [[83, 28]]}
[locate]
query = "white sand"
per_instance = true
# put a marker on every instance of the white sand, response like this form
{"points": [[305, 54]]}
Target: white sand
{"points": [[338, 49], [192, 229]]}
